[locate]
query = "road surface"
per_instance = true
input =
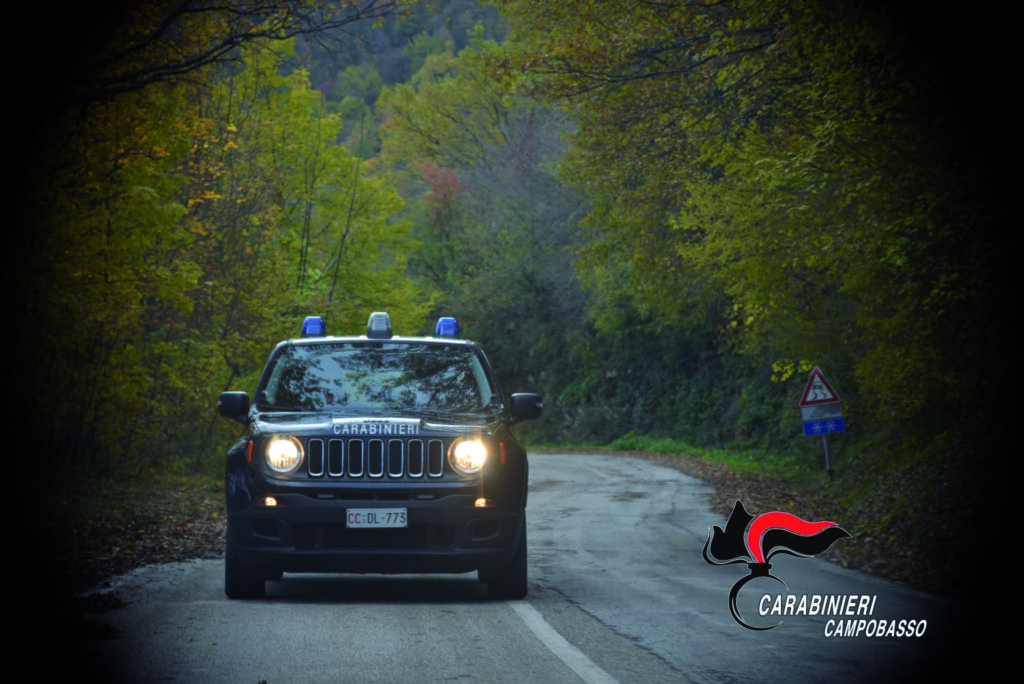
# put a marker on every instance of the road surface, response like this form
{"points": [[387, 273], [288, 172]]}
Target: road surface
{"points": [[619, 592]]}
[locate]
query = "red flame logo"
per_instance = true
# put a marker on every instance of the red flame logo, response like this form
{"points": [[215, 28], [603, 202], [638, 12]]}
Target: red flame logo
{"points": [[782, 521]]}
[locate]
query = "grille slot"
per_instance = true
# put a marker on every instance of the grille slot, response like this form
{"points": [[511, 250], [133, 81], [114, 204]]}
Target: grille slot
{"points": [[396, 458], [375, 467], [315, 457], [375, 458], [335, 458]]}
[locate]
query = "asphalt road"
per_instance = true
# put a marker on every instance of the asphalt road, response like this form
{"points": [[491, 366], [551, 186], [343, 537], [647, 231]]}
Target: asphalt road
{"points": [[619, 591]]}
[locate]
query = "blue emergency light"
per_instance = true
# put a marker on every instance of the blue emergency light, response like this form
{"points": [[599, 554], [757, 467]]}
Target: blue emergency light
{"points": [[313, 326], [447, 326]]}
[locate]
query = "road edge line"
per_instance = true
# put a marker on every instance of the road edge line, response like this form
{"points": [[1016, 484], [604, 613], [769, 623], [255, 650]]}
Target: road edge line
{"points": [[574, 658]]}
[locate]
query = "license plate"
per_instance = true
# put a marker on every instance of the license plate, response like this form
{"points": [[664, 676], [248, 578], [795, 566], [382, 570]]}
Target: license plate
{"points": [[376, 518]]}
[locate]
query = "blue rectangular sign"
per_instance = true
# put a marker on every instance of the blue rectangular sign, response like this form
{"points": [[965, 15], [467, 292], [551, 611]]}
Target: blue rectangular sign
{"points": [[824, 427]]}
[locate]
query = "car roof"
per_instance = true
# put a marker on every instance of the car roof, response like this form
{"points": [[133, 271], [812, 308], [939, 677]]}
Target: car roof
{"points": [[399, 339]]}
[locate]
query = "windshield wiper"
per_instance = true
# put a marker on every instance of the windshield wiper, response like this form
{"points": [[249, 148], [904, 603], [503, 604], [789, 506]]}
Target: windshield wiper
{"points": [[495, 405], [275, 407]]}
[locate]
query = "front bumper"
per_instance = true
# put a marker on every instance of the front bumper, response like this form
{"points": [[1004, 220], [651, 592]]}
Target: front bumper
{"points": [[305, 534]]}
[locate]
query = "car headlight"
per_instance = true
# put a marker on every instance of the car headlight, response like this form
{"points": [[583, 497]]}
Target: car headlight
{"points": [[283, 454], [468, 456]]}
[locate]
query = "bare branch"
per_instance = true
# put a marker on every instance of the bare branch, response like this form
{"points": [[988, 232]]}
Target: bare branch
{"points": [[165, 40]]}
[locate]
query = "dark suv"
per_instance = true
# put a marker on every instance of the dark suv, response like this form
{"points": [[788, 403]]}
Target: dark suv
{"points": [[377, 453]]}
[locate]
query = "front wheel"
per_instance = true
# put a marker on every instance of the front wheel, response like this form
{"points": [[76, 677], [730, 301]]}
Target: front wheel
{"points": [[509, 583], [239, 582]]}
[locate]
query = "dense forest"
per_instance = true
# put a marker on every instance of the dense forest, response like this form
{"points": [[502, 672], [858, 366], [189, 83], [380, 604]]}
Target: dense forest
{"points": [[660, 216]]}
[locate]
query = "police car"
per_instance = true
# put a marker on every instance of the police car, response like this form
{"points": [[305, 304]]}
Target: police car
{"points": [[377, 454]]}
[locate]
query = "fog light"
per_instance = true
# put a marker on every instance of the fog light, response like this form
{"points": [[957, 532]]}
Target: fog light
{"points": [[270, 501]]}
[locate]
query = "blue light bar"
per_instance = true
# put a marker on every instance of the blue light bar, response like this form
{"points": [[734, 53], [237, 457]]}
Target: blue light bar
{"points": [[379, 326], [313, 326], [447, 326]]}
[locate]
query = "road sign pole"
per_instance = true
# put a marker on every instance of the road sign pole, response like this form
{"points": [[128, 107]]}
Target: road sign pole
{"points": [[828, 466]]}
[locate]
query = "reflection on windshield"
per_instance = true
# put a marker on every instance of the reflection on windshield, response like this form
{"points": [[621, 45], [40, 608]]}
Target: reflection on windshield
{"points": [[362, 376]]}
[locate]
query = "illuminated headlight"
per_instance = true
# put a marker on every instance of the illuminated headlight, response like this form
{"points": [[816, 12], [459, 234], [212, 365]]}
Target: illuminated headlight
{"points": [[283, 454], [468, 456]]}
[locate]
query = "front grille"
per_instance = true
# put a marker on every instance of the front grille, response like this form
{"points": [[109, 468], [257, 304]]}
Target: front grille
{"points": [[375, 458]]}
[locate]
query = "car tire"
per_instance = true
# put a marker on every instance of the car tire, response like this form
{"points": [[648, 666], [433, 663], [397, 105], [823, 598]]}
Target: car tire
{"points": [[239, 582], [509, 583]]}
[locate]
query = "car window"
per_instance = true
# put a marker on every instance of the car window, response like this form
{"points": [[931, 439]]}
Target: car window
{"points": [[376, 375]]}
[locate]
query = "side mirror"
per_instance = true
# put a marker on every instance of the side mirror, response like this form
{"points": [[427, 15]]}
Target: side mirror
{"points": [[526, 405], [234, 405]]}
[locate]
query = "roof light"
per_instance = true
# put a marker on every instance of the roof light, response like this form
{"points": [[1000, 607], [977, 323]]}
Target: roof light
{"points": [[379, 325], [447, 326], [313, 326]]}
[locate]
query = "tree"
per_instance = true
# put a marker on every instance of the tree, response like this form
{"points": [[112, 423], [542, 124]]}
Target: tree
{"points": [[496, 228], [783, 155], [142, 43], [189, 228], [290, 223]]}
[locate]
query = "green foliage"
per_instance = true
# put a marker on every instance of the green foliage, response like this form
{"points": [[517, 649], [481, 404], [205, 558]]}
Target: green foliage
{"points": [[452, 112], [497, 233], [194, 228], [771, 170], [495, 227], [362, 81], [755, 461], [190, 211], [731, 192], [423, 45]]}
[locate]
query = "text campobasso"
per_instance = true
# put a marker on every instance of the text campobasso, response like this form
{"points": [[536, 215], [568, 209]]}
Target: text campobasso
{"points": [[853, 614]]}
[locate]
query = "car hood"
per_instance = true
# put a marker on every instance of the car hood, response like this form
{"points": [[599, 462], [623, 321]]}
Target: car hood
{"points": [[371, 426]]}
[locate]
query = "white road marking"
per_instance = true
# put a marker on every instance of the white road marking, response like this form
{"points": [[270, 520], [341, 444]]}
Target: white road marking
{"points": [[576, 659]]}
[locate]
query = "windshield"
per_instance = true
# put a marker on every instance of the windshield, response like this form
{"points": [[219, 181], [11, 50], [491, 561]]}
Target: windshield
{"points": [[376, 376]]}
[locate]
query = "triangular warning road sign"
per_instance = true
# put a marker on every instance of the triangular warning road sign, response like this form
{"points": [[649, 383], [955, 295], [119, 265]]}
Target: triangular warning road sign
{"points": [[818, 391]]}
